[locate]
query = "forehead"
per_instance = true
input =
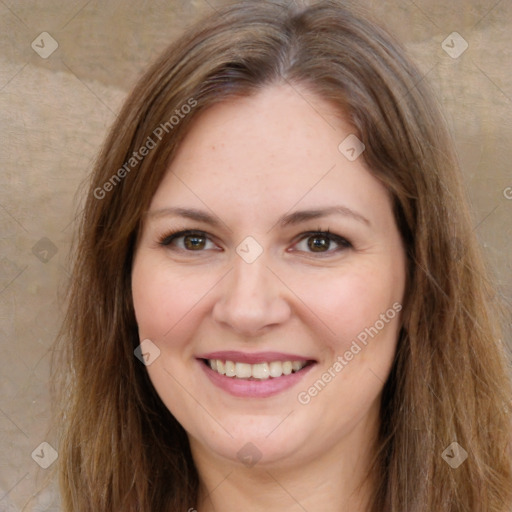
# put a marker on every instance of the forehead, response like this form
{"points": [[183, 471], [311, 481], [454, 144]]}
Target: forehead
{"points": [[273, 149], [278, 127]]}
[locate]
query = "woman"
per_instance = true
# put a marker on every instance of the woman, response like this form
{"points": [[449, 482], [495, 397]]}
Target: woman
{"points": [[270, 307]]}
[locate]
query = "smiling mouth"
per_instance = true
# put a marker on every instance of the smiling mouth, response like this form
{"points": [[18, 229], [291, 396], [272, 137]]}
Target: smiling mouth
{"points": [[259, 371]]}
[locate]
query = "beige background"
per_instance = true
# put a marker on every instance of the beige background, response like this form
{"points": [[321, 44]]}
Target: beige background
{"points": [[55, 112]]}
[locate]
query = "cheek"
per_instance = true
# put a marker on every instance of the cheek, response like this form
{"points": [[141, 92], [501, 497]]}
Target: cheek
{"points": [[362, 307], [165, 301], [353, 301], [166, 306]]}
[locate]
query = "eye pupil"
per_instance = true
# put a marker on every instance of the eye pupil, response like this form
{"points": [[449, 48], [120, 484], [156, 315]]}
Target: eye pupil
{"points": [[194, 241], [318, 243]]}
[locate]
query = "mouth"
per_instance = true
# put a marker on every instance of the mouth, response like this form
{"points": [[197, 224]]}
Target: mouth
{"points": [[259, 371], [254, 375]]}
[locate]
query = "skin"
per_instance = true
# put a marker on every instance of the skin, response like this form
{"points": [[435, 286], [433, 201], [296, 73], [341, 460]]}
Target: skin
{"points": [[248, 161]]}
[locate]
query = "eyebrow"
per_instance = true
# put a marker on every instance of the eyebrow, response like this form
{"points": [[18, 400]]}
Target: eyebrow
{"points": [[286, 220], [188, 213], [305, 215]]}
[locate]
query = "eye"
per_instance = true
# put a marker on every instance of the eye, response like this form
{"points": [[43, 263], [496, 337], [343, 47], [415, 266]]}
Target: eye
{"points": [[321, 242], [310, 242], [187, 240]]}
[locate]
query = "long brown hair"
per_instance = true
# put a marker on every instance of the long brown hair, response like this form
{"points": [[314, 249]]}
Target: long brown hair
{"points": [[120, 448]]}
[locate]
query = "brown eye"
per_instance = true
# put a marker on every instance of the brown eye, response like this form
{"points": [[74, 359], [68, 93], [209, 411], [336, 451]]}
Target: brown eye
{"points": [[318, 243], [193, 242], [322, 242]]}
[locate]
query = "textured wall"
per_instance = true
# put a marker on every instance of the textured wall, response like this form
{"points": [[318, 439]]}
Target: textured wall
{"points": [[55, 110]]}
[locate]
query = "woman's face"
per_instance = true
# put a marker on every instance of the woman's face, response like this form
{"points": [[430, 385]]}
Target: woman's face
{"points": [[257, 289]]}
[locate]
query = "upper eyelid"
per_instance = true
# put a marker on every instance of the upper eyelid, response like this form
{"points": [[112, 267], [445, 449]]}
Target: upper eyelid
{"points": [[338, 239], [184, 232]]}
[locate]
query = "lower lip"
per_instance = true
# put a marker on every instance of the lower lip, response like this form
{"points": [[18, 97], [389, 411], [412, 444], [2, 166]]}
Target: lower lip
{"points": [[254, 388]]}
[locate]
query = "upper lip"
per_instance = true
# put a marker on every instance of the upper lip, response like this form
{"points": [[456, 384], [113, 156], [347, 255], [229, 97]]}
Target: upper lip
{"points": [[253, 358]]}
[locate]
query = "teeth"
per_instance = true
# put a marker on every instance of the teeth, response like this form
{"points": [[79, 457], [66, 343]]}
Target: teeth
{"points": [[230, 369], [243, 370], [221, 367], [260, 371], [276, 369], [296, 365]]}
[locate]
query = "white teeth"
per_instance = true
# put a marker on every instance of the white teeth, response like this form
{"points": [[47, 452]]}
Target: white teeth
{"points": [[243, 370], [276, 369], [296, 366], [220, 367], [261, 371], [230, 369]]}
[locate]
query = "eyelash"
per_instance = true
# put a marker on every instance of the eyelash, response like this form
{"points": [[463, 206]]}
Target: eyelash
{"points": [[167, 239]]}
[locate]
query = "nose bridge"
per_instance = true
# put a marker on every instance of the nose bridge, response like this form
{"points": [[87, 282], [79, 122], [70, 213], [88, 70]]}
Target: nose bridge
{"points": [[249, 282], [251, 298]]}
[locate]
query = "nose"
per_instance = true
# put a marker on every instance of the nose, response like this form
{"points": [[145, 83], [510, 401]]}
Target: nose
{"points": [[252, 299]]}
